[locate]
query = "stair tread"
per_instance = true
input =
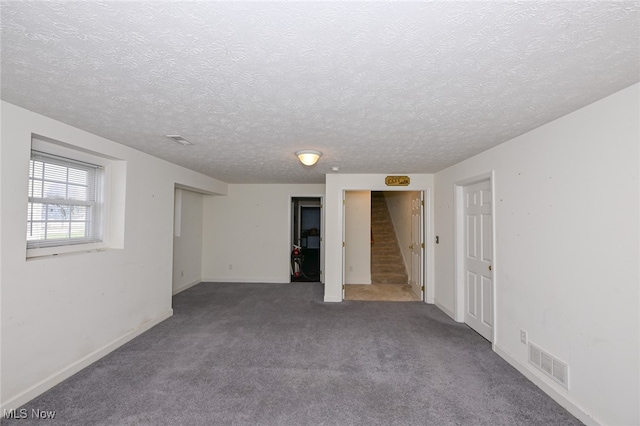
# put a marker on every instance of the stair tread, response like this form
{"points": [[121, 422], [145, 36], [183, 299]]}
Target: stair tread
{"points": [[387, 265]]}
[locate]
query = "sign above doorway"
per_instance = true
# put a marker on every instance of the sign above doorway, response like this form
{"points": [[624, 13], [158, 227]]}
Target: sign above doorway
{"points": [[397, 181]]}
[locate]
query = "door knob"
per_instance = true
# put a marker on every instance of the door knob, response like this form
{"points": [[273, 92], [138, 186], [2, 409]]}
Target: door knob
{"points": [[411, 246]]}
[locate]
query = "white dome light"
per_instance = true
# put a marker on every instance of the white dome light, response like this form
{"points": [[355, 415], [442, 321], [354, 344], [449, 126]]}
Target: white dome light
{"points": [[308, 157]]}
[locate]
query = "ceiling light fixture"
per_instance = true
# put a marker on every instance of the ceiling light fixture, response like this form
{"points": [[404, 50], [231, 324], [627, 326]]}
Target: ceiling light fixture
{"points": [[177, 138], [308, 157]]}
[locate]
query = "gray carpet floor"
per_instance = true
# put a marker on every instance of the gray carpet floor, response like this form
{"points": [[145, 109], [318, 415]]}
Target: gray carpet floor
{"points": [[275, 354]]}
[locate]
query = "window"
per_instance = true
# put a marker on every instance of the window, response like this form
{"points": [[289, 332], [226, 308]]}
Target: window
{"points": [[66, 202]]}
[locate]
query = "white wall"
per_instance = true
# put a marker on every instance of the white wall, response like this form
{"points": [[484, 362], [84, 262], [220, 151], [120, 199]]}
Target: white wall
{"points": [[187, 240], [61, 313], [336, 184], [247, 234], [566, 268], [357, 237], [399, 204]]}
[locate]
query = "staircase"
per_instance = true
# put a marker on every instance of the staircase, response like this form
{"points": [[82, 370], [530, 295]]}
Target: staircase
{"points": [[387, 266]]}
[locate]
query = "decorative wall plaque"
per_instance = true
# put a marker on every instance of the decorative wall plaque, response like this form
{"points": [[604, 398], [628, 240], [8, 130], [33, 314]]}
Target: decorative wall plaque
{"points": [[397, 181]]}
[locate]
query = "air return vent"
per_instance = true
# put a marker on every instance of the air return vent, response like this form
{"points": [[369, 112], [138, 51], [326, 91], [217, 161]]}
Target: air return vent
{"points": [[182, 141], [549, 365]]}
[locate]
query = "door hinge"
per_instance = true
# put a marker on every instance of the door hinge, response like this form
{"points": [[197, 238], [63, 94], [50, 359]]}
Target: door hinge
{"points": [[422, 288], [343, 286], [343, 244], [422, 203], [422, 245]]}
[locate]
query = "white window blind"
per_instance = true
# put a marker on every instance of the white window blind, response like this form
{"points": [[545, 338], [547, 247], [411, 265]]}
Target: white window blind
{"points": [[66, 201]]}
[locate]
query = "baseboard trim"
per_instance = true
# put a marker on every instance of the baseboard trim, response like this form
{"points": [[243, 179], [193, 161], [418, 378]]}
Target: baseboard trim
{"points": [[56, 378], [246, 280], [185, 286], [556, 395], [444, 309], [332, 299]]}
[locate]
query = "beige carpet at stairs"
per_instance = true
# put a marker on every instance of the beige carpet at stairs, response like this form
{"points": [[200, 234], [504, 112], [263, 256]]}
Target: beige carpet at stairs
{"points": [[380, 292]]}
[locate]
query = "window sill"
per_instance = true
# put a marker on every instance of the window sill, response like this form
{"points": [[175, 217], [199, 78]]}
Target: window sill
{"points": [[46, 252]]}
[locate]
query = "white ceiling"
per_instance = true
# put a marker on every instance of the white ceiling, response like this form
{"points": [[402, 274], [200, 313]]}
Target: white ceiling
{"points": [[378, 87]]}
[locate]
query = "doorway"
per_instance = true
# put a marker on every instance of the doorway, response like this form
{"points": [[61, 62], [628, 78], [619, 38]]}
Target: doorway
{"points": [[306, 239], [187, 239], [390, 246]]}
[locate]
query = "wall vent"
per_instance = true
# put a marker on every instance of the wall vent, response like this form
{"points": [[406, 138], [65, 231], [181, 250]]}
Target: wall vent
{"points": [[549, 365]]}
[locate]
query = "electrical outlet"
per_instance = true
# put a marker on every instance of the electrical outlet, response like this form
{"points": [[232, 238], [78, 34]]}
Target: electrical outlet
{"points": [[523, 336]]}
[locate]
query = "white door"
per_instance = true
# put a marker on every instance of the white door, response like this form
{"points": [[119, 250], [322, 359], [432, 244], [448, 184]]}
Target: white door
{"points": [[417, 250], [477, 258]]}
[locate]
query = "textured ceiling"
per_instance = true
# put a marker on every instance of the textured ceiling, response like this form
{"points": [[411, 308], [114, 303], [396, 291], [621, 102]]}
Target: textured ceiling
{"points": [[387, 87]]}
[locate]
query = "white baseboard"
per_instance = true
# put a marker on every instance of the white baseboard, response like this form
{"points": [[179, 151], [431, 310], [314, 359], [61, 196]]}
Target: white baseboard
{"points": [[56, 378], [556, 395], [445, 310], [184, 287], [246, 280], [429, 297], [332, 299]]}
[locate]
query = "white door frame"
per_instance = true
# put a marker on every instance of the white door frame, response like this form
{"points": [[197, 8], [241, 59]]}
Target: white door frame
{"points": [[459, 289], [427, 235], [344, 237]]}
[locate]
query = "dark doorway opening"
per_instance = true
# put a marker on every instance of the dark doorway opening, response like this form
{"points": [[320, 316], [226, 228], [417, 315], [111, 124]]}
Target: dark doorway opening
{"points": [[306, 235]]}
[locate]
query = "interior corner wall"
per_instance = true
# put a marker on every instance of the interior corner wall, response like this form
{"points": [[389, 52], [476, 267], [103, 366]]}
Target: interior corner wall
{"points": [[187, 243], [61, 313], [566, 264], [357, 237], [399, 205], [247, 234]]}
